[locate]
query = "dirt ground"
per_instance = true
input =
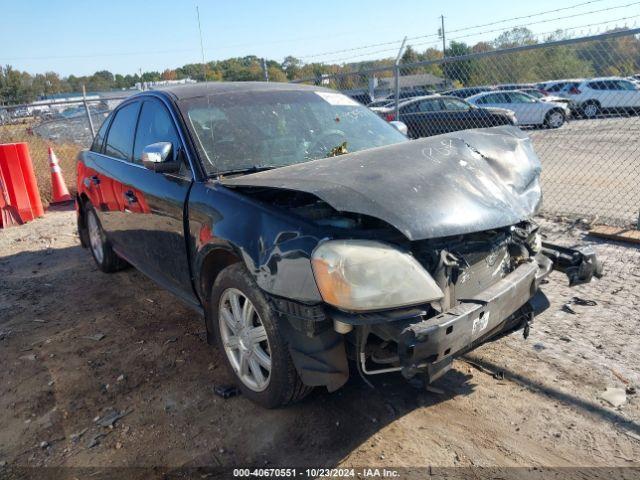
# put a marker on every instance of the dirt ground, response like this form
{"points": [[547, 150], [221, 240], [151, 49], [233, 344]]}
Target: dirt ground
{"points": [[78, 347]]}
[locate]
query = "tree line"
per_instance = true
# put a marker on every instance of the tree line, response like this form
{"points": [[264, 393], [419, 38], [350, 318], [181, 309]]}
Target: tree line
{"points": [[614, 56]]}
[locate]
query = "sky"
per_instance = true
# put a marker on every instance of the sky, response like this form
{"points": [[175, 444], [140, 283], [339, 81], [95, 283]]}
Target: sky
{"points": [[82, 37]]}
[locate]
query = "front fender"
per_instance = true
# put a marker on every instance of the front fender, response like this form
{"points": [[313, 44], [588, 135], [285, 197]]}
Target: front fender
{"points": [[276, 248]]}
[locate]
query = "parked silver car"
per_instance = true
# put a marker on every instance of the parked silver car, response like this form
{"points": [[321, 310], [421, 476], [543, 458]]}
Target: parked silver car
{"points": [[529, 110]]}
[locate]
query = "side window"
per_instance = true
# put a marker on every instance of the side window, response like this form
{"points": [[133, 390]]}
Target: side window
{"points": [[596, 85], [429, 106], [455, 105], [120, 137], [625, 85], [411, 108], [96, 146], [483, 100], [155, 125], [497, 98], [517, 97]]}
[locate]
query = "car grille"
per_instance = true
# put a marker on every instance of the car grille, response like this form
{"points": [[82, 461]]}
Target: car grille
{"points": [[483, 260]]}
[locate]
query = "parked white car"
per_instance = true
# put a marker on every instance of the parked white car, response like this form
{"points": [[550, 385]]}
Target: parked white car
{"points": [[529, 110], [544, 98], [594, 96]]}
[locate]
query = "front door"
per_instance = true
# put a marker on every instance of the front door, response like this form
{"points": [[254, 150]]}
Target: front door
{"points": [[155, 202]]}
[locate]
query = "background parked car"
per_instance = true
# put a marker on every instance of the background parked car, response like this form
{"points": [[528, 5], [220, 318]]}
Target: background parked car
{"points": [[528, 110], [554, 87], [534, 92], [436, 114], [467, 92], [382, 102], [516, 86], [594, 96]]}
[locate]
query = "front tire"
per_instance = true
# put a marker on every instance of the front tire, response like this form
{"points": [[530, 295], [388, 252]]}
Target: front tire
{"points": [[591, 110], [554, 119], [106, 259], [249, 334]]}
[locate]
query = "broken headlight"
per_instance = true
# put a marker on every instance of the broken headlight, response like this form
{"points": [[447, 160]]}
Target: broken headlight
{"points": [[359, 275]]}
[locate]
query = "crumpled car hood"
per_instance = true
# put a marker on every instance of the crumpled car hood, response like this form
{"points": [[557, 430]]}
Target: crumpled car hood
{"points": [[445, 185]]}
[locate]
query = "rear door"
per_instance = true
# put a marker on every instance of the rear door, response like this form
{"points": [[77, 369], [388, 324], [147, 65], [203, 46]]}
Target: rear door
{"points": [[105, 170], [457, 115], [424, 118], [629, 95], [528, 111], [155, 202]]}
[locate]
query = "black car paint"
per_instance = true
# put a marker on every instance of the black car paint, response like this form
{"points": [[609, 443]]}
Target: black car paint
{"points": [[468, 183], [423, 124]]}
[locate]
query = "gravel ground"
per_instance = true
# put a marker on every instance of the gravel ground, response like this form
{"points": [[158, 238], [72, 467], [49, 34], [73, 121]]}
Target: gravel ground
{"points": [[78, 347], [592, 168]]}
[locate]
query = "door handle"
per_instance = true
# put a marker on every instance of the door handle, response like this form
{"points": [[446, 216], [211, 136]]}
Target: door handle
{"points": [[93, 180], [130, 197]]}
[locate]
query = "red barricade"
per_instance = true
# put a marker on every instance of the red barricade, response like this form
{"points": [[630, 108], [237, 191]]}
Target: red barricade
{"points": [[19, 195]]}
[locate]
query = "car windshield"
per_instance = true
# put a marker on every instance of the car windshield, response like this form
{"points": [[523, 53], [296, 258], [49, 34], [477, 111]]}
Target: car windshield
{"points": [[266, 129]]}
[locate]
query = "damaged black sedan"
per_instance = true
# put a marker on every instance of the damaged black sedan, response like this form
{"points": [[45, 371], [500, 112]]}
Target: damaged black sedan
{"points": [[309, 232]]}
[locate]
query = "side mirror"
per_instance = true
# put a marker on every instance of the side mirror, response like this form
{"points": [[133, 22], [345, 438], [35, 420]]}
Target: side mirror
{"points": [[155, 158], [400, 126]]}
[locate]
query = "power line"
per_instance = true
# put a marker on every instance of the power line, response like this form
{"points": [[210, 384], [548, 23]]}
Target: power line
{"points": [[338, 60], [364, 47], [546, 20], [526, 16]]}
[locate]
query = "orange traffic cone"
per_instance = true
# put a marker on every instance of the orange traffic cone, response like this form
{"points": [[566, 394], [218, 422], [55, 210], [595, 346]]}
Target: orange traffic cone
{"points": [[59, 190], [9, 215]]}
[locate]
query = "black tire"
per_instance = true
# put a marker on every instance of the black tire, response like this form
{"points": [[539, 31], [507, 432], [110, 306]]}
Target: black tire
{"points": [[551, 120], [590, 109], [284, 384], [109, 261]]}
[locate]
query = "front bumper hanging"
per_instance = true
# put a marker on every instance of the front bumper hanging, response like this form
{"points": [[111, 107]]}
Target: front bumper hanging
{"points": [[434, 342], [580, 263]]}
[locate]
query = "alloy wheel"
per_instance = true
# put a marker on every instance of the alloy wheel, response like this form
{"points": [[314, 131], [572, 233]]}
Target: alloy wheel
{"points": [[95, 237], [244, 339], [591, 110], [556, 120]]}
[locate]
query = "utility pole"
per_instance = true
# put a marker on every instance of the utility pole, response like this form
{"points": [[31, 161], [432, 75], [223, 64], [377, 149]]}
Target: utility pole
{"points": [[444, 48], [396, 72], [265, 70], [204, 67], [442, 34]]}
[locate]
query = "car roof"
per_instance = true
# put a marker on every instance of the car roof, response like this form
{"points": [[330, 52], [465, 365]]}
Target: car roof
{"points": [[599, 79], [193, 90], [406, 101], [484, 94]]}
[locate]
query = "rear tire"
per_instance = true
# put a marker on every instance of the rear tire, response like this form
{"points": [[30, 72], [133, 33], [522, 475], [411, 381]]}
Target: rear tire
{"points": [[591, 109], [254, 346], [554, 119], [106, 259]]}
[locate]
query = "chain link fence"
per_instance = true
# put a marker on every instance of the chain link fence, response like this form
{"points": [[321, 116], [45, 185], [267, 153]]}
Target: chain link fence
{"points": [[578, 99], [62, 125]]}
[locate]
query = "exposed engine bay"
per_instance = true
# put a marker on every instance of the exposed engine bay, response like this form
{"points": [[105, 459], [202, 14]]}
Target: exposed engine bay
{"points": [[461, 207]]}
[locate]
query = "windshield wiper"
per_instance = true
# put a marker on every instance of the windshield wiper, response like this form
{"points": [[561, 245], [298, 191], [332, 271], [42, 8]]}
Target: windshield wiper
{"points": [[252, 169]]}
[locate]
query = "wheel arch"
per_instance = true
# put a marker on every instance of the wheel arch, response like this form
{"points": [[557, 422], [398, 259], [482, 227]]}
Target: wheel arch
{"points": [[82, 200], [213, 262]]}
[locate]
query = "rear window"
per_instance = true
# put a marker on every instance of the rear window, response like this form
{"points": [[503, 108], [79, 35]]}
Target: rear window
{"points": [[120, 138], [98, 141]]}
